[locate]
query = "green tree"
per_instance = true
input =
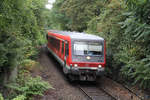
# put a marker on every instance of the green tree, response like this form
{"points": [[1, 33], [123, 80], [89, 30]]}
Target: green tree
{"points": [[135, 48], [21, 30], [57, 19], [74, 15], [80, 12]]}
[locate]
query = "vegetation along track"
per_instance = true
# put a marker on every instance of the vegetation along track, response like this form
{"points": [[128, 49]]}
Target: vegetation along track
{"points": [[93, 92]]}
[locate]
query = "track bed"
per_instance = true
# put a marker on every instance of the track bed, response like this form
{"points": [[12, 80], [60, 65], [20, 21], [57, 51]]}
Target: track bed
{"points": [[93, 92]]}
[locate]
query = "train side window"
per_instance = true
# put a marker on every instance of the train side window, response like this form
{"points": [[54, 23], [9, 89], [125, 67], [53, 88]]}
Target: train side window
{"points": [[62, 49], [66, 49], [55, 43]]}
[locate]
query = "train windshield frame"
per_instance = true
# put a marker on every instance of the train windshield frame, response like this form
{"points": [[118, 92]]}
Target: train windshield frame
{"points": [[88, 48]]}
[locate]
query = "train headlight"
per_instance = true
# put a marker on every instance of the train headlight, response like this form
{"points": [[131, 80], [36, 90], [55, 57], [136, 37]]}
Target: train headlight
{"points": [[75, 65], [99, 66]]}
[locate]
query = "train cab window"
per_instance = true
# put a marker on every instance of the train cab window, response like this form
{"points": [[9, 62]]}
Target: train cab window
{"points": [[85, 48]]}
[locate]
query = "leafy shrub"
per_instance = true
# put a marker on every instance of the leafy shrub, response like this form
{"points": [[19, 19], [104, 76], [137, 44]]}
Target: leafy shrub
{"points": [[135, 46], [20, 97], [138, 71], [1, 97], [28, 86], [29, 64], [21, 32]]}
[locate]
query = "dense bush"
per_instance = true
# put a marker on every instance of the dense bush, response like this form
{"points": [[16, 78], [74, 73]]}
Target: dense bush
{"points": [[1, 97], [26, 86], [135, 48], [73, 14], [22, 25], [20, 97], [58, 18], [21, 32]]}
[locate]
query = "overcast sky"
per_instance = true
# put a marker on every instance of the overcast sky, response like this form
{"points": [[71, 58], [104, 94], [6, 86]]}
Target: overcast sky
{"points": [[50, 4]]}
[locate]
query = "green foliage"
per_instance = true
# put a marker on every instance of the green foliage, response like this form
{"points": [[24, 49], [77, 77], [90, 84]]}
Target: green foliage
{"points": [[22, 25], [11, 51], [21, 31], [138, 70], [55, 18], [77, 11], [27, 86], [74, 14], [20, 97], [139, 18], [1, 97], [135, 48]]}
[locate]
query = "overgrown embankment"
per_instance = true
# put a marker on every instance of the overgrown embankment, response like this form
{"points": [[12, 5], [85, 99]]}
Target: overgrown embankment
{"points": [[21, 32]]}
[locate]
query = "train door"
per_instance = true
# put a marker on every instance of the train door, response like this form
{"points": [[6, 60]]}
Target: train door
{"points": [[66, 51], [62, 51]]}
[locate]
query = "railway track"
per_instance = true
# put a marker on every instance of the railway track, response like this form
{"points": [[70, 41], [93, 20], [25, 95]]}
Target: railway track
{"points": [[93, 92]]}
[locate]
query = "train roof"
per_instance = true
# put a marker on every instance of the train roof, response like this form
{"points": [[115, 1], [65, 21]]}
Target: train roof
{"points": [[77, 35]]}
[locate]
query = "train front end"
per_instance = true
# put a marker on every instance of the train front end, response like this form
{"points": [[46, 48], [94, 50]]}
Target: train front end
{"points": [[88, 59]]}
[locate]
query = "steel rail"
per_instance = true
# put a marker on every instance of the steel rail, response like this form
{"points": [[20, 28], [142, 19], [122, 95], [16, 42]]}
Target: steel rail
{"points": [[85, 92]]}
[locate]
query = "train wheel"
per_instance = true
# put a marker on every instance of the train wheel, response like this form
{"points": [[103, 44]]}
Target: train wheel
{"points": [[71, 78], [68, 78]]}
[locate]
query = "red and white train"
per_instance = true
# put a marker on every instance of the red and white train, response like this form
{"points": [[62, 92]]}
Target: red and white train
{"points": [[81, 55]]}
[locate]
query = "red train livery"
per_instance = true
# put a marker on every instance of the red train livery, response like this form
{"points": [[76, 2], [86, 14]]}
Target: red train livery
{"points": [[81, 55]]}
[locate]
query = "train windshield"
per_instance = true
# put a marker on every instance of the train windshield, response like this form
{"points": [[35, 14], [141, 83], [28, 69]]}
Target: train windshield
{"points": [[85, 48]]}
